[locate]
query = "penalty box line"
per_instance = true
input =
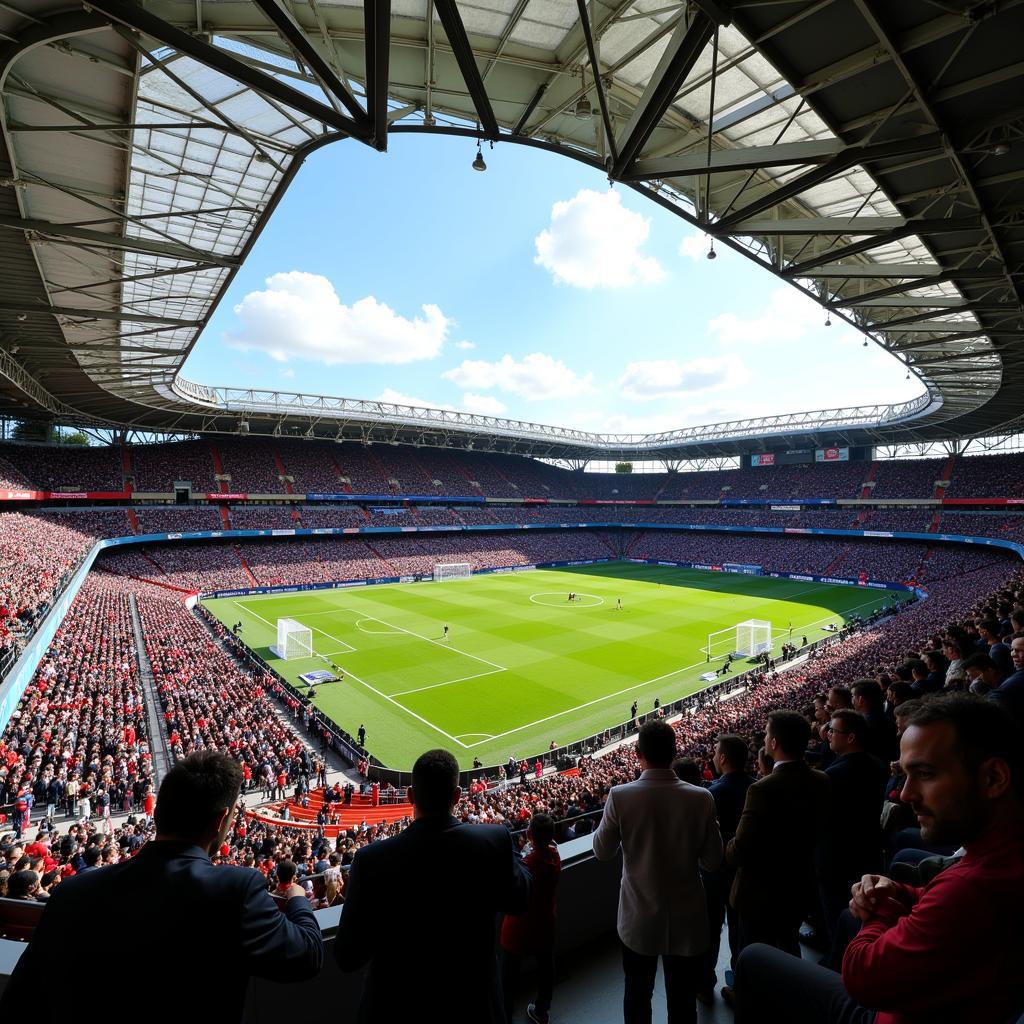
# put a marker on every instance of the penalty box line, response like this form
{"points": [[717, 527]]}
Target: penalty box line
{"points": [[419, 636], [349, 649]]}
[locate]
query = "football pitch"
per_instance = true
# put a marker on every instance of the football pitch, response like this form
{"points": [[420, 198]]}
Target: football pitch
{"points": [[523, 666]]}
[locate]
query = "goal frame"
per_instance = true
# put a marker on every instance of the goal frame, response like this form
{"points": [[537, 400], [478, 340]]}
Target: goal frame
{"points": [[737, 640], [442, 575], [294, 640]]}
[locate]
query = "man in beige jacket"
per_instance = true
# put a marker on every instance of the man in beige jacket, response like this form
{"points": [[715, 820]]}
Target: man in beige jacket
{"points": [[667, 830]]}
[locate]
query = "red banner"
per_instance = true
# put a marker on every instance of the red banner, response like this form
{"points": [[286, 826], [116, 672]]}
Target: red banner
{"points": [[22, 495], [227, 497]]}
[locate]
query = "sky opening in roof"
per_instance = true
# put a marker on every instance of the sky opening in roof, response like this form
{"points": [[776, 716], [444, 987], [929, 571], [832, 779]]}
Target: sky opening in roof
{"points": [[533, 291]]}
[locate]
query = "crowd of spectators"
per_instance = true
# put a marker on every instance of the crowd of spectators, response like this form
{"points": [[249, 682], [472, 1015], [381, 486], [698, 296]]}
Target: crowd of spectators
{"points": [[77, 743], [156, 467], [178, 519], [12, 479], [53, 467], [263, 517]]}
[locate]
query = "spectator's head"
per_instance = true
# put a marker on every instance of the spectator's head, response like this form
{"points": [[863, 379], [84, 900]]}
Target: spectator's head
{"points": [[731, 753], [960, 754], [848, 732], [435, 784], [983, 673], [839, 697], [92, 856], [656, 744], [23, 885], [787, 735], [953, 647], [899, 692], [918, 669], [1017, 652], [197, 799], [286, 873], [989, 630], [687, 770], [867, 696], [541, 831]]}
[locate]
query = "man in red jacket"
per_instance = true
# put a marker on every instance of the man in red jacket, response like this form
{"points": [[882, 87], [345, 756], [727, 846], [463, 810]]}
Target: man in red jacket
{"points": [[951, 950]]}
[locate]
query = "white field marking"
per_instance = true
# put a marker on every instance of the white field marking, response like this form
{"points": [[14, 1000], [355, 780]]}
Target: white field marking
{"points": [[337, 640], [375, 632], [487, 735], [589, 703], [452, 682], [402, 707], [419, 636], [565, 601]]}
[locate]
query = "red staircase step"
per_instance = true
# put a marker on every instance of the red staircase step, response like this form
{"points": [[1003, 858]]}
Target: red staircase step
{"points": [[133, 519], [281, 471], [218, 468]]}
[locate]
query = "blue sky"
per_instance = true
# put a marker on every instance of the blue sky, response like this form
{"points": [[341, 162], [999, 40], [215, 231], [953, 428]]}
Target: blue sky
{"points": [[532, 290]]}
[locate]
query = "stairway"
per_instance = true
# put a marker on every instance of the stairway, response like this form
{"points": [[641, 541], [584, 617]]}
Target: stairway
{"points": [[865, 490], [831, 567], [947, 472], [225, 517], [127, 472], [245, 566], [936, 519], [133, 519], [282, 473], [218, 469], [154, 715]]}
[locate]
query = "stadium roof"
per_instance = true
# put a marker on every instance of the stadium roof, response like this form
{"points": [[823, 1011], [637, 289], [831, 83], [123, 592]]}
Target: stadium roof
{"points": [[870, 153]]}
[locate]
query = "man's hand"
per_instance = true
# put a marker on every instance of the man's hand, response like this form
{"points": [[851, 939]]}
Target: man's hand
{"points": [[294, 890], [876, 895]]}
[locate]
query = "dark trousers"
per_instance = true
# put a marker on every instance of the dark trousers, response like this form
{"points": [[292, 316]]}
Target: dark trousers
{"points": [[775, 929], [681, 981], [511, 964], [774, 986], [716, 890]]}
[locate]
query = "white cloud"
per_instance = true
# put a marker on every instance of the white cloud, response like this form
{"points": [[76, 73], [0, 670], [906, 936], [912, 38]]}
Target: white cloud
{"points": [[483, 405], [668, 378], [299, 315], [464, 344], [694, 245], [593, 241], [393, 397], [535, 376], [788, 317]]}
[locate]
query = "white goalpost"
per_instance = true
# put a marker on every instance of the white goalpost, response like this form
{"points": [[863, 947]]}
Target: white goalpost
{"points": [[744, 640], [294, 640], [452, 571]]}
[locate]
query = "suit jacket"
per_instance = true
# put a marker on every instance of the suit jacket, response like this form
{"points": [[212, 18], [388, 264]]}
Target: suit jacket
{"points": [[730, 794], [854, 845], [170, 921], [1010, 695], [420, 910], [784, 819], [667, 829]]}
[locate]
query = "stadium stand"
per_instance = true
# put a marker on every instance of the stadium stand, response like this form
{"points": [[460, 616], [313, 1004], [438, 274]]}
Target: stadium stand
{"points": [[66, 467]]}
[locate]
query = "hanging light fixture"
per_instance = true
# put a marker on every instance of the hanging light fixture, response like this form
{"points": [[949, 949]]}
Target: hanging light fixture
{"points": [[478, 161], [583, 109], [712, 255]]}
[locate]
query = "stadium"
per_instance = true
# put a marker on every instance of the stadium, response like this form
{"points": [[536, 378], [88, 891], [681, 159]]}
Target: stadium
{"points": [[325, 587]]}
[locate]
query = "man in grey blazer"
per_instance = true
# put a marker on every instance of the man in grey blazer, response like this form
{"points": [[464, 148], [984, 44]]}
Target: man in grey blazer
{"points": [[667, 830]]}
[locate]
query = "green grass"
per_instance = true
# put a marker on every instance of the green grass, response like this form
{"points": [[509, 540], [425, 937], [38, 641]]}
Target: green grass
{"points": [[522, 666]]}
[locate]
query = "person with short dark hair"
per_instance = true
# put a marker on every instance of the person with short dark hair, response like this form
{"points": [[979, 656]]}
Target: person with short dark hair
{"points": [[983, 674], [687, 770], [667, 830], [950, 950], [784, 818], [199, 920], [532, 933], [424, 903], [868, 699]]}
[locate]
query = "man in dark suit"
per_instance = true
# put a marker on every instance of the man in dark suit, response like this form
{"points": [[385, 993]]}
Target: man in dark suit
{"points": [[853, 847], [169, 916], [1010, 693], [784, 819], [882, 741], [420, 909], [730, 793]]}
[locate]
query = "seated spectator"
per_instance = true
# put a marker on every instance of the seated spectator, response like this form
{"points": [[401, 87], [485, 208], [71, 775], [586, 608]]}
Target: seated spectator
{"points": [[950, 950]]}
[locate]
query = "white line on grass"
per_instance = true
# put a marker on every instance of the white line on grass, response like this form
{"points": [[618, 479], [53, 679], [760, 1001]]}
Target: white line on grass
{"points": [[451, 682], [337, 640], [419, 636]]}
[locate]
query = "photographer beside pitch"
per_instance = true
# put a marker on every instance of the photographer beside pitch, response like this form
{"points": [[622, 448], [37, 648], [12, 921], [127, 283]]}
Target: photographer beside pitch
{"points": [[170, 916]]}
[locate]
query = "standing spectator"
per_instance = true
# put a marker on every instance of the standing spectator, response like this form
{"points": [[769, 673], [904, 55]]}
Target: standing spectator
{"points": [[1010, 692], [950, 950], [427, 899], [999, 652], [868, 700], [169, 891], [533, 932], [666, 830], [783, 821], [853, 847], [729, 792], [361, 735]]}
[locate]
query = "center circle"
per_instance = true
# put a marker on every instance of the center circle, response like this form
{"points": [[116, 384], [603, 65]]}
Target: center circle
{"points": [[560, 598]]}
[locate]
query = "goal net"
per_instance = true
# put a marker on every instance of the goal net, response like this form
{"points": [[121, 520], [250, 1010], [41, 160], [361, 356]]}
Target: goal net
{"points": [[294, 640], [452, 571], [744, 640]]}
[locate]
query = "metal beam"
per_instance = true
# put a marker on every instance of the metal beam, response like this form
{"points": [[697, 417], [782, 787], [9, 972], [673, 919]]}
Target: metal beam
{"points": [[852, 156], [530, 108], [748, 159], [881, 270], [377, 22], [295, 35], [817, 226], [920, 227], [602, 100], [80, 312], [684, 48], [931, 314], [906, 286], [153, 247], [132, 15], [451, 20]]}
